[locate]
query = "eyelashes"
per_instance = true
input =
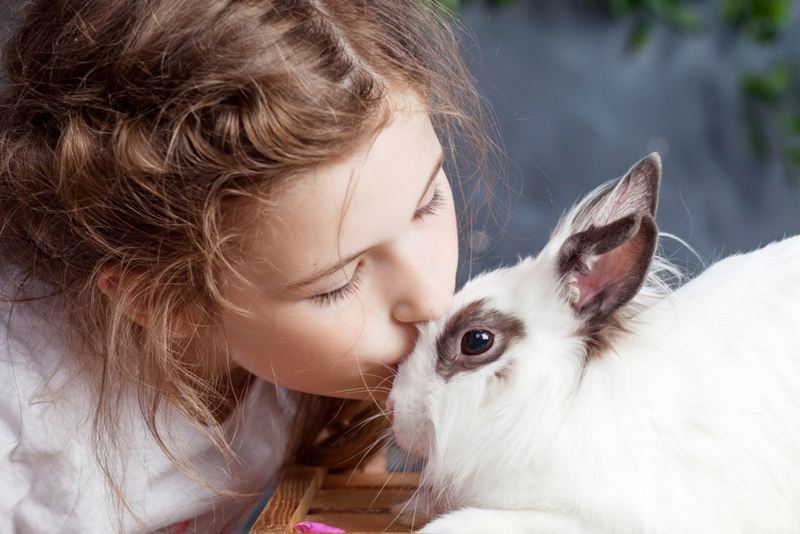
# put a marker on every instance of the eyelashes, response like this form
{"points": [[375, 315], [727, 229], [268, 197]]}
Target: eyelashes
{"points": [[431, 207], [338, 295]]}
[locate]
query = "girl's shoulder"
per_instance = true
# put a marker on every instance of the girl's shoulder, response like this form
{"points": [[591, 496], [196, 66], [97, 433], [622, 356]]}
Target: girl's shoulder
{"points": [[44, 420], [35, 371], [50, 477]]}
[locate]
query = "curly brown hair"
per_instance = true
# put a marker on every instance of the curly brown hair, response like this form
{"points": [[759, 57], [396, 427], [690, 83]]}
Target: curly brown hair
{"points": [[131, 130]]}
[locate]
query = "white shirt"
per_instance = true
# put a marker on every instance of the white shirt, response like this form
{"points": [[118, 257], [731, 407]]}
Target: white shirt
{"points": [[50, 480]]}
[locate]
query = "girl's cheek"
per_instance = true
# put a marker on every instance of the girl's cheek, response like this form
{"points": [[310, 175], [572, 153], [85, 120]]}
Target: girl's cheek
{"points": [[318, 338], [447, 246]]}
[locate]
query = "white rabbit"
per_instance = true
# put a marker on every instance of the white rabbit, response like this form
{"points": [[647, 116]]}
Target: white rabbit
{"points": [[574, 392]]}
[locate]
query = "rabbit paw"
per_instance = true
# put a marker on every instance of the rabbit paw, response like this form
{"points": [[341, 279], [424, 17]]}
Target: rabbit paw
{"points": [[470, 521], [481, 521], [416, 511]]}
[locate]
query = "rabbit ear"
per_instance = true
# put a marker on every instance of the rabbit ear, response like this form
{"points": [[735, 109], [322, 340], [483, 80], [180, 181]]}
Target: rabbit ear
{"points": [[612, 240]]}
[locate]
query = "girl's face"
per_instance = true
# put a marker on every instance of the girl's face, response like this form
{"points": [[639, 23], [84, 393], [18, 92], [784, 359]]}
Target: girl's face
{"points": [[346, 264]]}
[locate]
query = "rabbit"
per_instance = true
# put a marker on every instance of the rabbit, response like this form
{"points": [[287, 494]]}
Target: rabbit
{"points": [[580, 391]]}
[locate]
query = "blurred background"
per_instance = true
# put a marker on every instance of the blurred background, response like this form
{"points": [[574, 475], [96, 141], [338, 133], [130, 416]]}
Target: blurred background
{"points": [[582, 90]]}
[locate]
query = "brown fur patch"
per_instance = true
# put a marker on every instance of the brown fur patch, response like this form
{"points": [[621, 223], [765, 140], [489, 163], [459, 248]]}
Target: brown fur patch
{"points": [[600, 337], [505, 328]]}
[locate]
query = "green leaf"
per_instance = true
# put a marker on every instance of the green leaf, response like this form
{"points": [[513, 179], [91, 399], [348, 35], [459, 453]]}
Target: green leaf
{"points": [[452, 6], [639, 37], [789, 124], [791, 162], [685, 18], [791, 154], [624, 7], [756, 131], [769, 88], [760, 20], [729, 10]]}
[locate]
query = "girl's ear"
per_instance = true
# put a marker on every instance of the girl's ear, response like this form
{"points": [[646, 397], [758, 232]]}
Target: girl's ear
{"points": [[612, 239], [125, 292]]}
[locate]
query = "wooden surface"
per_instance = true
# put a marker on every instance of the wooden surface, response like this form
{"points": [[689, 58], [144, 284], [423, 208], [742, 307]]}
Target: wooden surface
{"points": [[291, 500], [357, 502]]}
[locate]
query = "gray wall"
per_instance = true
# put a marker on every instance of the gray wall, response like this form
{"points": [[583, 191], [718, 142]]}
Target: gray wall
{"points": [[576, 109]]}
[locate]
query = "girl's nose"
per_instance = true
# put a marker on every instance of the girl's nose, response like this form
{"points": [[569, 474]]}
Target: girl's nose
{"points": [[421, 290]]}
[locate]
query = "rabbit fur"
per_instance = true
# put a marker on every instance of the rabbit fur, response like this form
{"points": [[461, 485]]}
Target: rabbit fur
{"points": [[606, 402]]}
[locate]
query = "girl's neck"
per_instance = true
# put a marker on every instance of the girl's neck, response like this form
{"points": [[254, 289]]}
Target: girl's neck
{"points": [[229, 382], [231, 391]]}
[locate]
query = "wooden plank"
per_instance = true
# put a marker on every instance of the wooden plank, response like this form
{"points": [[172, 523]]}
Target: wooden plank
{"points": [[359, 510], [371, 481], [291, 500], [359, 500], [360, 522]]}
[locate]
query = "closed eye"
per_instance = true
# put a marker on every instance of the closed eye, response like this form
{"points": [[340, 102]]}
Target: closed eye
{"points": [[436, 202], [337, 295]]}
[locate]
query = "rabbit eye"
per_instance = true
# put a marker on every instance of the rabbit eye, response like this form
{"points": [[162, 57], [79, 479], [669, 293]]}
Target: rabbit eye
{"points": [[476, 342], [475, 336]]}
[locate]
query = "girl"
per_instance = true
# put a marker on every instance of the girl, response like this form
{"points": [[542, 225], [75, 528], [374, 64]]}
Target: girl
{"points": [[219, 218]]}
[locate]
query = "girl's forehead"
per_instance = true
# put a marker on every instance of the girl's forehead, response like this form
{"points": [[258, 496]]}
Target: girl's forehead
{"points": [[362, 201]]}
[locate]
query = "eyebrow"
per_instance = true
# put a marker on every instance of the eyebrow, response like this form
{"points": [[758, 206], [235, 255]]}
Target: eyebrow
{"points": [[340, 264]]}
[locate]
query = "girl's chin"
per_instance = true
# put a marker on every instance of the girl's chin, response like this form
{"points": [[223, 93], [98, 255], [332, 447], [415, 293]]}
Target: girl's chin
{"points": [[377, 391], [379, 395], [373, 394]]}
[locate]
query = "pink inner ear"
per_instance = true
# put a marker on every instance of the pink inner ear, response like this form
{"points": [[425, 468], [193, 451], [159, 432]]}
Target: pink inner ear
{"points": [[606, 271], [619, 204]]}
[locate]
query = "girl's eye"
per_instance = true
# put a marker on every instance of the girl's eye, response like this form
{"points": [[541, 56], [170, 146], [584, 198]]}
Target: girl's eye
{"points": [[337, 295], [431, 207]]}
